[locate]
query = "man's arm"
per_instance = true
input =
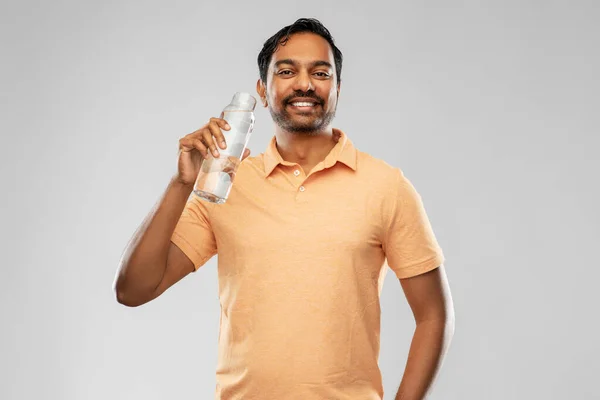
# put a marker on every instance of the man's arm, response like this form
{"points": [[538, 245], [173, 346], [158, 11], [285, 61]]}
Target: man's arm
{"points": [[429, 298], [151, 263]]}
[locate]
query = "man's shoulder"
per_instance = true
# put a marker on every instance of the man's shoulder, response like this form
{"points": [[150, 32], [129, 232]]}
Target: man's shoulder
{"points": [[374, 165]]}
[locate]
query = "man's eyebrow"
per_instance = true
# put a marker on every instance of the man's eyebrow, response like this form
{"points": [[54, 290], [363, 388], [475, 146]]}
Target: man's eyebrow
{"points": [[313, 64]]}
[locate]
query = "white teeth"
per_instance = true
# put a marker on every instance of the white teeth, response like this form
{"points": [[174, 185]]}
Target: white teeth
{"points": [[303, 104]]}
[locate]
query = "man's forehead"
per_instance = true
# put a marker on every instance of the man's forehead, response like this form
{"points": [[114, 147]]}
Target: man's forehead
{"points": [[303, 49]]}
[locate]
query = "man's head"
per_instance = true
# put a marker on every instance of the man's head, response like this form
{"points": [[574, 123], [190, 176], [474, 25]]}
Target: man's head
{"points": [[300, 62]]}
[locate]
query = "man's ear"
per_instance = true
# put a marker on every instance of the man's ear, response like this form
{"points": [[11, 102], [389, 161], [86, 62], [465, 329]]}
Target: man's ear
{"points": [[262, 92]]}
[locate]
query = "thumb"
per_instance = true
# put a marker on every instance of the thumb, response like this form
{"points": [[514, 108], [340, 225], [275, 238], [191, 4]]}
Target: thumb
{"points": [[246, 153]]}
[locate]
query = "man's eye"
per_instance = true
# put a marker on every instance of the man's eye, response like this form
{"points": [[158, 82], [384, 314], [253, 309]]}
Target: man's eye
{"points": [[323, 74]]}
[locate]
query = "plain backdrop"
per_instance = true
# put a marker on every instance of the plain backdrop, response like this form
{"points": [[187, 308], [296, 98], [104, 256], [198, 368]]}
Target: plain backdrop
{"points": [[490, 108]]}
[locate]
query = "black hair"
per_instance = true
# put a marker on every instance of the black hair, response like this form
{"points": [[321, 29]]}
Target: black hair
{"points": [[301, 25]]}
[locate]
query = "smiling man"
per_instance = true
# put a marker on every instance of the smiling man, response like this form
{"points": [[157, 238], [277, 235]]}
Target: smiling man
{"points": [[302, 243]]}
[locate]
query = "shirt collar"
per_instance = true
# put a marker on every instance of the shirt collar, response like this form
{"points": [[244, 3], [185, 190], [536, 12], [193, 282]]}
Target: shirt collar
{"points": [[344, 152]]}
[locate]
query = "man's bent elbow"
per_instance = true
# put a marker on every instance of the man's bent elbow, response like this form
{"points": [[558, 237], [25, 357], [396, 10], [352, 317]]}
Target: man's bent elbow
{"points": [[130, 301], [127, 298]]}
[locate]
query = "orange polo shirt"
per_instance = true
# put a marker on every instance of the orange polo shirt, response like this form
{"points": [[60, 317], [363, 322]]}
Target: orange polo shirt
{"points": [[301, 264]]}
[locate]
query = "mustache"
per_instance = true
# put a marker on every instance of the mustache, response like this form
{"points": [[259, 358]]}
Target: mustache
{"points": [[304, 97]]}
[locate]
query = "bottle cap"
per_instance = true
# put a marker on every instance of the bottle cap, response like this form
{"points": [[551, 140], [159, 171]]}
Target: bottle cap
{"points": [[243, 100]]}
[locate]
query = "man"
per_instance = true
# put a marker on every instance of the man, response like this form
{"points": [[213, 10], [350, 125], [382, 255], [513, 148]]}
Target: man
{"points": [[302, 242]]}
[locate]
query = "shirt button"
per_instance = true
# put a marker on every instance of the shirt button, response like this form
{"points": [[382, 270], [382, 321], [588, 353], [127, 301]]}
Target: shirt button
{"points": [[302, 188], [296, 172]]}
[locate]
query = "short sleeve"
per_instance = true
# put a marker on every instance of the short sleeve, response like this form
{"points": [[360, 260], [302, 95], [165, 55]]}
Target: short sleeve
{"points": [[409, 243], [193, 233]]}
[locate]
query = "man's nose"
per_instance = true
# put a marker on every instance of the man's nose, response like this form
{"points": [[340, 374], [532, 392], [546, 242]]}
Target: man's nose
{"points": [[303, 83]]}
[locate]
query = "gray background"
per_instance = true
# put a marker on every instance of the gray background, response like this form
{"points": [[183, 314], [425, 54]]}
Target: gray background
{"points": [[490, 108]]}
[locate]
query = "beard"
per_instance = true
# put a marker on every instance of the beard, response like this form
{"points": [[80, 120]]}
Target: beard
{"points": [[308, 124]]}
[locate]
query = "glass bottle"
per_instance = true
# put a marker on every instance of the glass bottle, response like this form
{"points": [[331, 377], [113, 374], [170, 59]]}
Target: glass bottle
{"points": [[216, 175]]}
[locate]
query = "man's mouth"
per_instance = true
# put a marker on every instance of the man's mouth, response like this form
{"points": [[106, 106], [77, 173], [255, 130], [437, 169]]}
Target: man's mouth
{"points": [[303, 105]]}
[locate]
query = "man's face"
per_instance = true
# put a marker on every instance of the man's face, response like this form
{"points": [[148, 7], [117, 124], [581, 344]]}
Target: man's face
{"points": [[302, 70]]}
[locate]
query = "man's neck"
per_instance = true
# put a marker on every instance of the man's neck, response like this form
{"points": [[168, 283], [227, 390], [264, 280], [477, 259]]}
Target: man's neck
{"points": [[306, 150]]}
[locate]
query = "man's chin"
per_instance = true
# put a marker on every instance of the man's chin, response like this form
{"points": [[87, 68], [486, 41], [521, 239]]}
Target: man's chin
{"points": [[302, 128]]}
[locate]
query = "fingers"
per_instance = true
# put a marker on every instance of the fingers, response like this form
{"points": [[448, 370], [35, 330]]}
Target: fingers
{"points": [[246, 153], [231, 166], [233, 163], [213, 136], [193, 142], [205, 139], [336, 136]]}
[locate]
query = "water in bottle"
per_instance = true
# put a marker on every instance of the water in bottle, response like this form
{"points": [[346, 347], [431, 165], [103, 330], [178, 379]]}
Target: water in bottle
{"points": [[217, 174]]}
